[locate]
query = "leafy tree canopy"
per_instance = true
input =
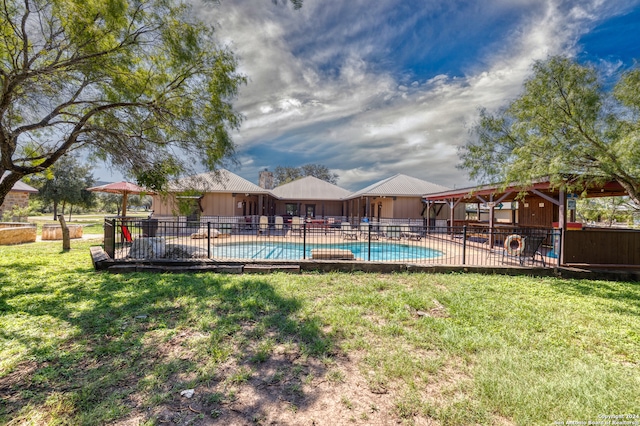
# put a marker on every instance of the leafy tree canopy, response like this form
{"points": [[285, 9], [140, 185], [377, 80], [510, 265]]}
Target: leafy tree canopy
{"points": [[282, 174], [565, 123], [138, 83], [65, 183]]}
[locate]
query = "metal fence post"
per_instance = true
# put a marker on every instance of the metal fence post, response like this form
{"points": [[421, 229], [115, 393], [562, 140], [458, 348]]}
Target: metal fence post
{"points": [[464, 245], [304, 240], [369, 250], [208, 240], [560, 246]]}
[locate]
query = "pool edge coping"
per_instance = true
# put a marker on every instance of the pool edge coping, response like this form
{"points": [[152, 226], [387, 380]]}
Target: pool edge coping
{"points": [[102, 262]]}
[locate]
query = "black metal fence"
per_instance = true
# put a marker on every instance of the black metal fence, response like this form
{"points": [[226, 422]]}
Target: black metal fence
{"points": [[276, 239]]}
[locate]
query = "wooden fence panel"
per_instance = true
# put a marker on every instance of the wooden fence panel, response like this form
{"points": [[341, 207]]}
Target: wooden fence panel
{"points": [[602, 247]]}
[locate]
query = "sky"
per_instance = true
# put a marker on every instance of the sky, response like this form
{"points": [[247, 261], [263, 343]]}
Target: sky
{"points": [[375, 88]]}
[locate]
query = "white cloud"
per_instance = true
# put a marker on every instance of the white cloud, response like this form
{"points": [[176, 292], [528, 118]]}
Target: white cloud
{"points": [[324, 86]]}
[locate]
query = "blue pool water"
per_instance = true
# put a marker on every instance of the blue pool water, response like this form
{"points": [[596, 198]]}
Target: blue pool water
{"points": [[293, 251]]}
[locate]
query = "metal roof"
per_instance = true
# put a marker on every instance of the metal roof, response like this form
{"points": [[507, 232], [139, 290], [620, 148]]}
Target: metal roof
{"points": [[469, 194], [310, 188], [400, 185], [221, 180], [20, 186]]}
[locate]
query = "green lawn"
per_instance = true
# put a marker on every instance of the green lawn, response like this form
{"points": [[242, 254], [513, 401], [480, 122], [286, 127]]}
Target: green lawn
{"points": [[79, 347], [92, 223]]}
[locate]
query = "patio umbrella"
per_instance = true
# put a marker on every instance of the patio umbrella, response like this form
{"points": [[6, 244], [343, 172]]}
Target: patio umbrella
{"points": [[124, 188]]}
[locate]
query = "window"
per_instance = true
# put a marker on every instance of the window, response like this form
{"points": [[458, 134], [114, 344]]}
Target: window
{"points": [[291, 209], [311, 210]]}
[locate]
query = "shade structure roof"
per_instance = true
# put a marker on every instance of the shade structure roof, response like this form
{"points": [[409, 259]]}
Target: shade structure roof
{"points": [[221, 180], [124, 188], [310, 188], [398, 186], [470, 194], [120, 188], [20, 186]]}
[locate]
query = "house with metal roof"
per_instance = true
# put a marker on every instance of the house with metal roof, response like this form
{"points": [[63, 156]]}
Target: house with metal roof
{"points": [[397, 197], [223, 193], [310, 197], [18, 196], [219, 193]]}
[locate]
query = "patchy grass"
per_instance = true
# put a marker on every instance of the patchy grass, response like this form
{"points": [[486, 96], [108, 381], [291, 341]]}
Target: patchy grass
{"points": [[91, 224], [91, 348]]}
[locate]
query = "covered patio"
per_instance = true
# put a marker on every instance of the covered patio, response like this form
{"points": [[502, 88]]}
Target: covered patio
{"points": [[543, 207]]}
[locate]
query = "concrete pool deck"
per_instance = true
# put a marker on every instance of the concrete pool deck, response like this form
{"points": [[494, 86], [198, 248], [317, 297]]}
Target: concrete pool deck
{"points": [[453, 252]]}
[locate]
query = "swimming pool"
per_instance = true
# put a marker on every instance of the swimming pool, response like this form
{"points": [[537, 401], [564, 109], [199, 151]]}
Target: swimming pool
{"points": [[391, 252]]}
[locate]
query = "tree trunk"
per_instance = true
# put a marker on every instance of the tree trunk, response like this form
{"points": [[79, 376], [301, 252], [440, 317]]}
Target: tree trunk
{"points": [[55, 210], [7, 183], [66, 241]]}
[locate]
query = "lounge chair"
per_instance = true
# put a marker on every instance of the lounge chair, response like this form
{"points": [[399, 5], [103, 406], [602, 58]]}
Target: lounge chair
{"points": [[366, 230], [296, 225], [405, 232], [347, 232], [393, 232], [263, 227], [279, 225]]}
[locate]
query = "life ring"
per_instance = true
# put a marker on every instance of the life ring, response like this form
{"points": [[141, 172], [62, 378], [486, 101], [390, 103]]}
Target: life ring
{"points": [[514, 245]]}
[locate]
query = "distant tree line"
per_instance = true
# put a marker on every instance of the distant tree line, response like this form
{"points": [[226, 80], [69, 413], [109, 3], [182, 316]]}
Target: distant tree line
{"points": [[285, 174]]}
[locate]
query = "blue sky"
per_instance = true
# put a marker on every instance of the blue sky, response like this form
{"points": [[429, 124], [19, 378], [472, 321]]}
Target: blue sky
{"points": [[375, 88]]}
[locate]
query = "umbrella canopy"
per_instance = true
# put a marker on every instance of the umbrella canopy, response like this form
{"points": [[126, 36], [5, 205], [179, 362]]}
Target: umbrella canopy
{"points": [[124, 188]]}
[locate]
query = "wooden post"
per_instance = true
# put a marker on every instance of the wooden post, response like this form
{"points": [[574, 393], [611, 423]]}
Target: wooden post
{"points": [[66, 241], [562, 222]]}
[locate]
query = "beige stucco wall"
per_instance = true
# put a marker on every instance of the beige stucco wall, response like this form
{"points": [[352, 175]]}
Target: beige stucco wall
{"points": [[164, 205], [213, 204], [407, 207]]}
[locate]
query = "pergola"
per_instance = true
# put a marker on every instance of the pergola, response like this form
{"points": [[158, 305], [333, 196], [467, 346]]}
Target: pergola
{"points": [[539, 216]]}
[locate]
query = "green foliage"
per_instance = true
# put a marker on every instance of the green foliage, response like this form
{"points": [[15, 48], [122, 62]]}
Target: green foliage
{"points": [[140, 84], [609, 210], [284, 174], [16, 214], [564, 124], [67, 184]]}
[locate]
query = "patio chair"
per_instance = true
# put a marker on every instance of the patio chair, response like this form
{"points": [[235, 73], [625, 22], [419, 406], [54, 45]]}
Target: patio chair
{"points": [[296, 225], [524, 248], [245, 223], [347, 232], [263, 227], [405, 232], [366, 230], [279, 225], [126, 233]]}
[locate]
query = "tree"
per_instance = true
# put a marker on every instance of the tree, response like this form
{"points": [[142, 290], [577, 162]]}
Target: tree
{"points": [[608, 209], [564, 124], [139, 84], [284, 175], [110, 203], [66, 184]]}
